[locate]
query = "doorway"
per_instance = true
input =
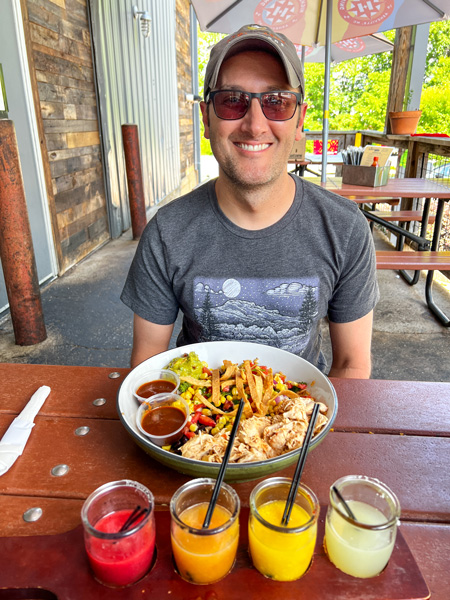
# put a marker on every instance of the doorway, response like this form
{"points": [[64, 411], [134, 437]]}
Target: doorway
{"points": [[13, 58]]}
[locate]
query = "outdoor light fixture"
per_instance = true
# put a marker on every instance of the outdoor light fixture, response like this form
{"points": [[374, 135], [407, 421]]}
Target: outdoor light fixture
{"points": [[145, 19]]}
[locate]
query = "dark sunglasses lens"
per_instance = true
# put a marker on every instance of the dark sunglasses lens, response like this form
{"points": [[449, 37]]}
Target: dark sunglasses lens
{"points": [[230, 105], [279, 106]]}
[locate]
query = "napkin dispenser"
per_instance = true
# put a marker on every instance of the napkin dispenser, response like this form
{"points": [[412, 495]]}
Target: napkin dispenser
{"points": [[365, 176]]}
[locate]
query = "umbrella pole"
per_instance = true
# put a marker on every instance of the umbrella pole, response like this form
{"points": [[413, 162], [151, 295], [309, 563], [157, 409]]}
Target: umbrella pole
{"points": [[326, 96]]}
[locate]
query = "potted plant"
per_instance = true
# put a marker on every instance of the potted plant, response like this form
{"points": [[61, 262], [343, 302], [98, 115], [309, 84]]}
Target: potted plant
{"points": [[405, 121]]}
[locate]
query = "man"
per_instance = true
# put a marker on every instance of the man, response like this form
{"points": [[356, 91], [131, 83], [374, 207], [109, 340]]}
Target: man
{"points": [[257, 254]]}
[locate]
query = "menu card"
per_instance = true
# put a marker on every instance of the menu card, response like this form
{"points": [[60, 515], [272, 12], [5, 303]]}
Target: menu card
{"points": [[383, 153]]}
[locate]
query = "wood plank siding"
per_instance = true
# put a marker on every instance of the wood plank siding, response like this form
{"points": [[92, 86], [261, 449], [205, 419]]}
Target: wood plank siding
{"points": [[62, 72]]}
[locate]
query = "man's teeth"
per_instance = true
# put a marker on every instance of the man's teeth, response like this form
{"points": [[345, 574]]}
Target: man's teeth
{"points": [[253, 147]]}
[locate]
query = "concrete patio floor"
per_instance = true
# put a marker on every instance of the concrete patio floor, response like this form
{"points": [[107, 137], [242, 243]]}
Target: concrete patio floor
{"points": [[88, 325]]}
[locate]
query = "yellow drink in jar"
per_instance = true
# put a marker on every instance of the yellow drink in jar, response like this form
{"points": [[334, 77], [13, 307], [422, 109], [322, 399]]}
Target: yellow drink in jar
{"points": [[282, 555], [203, 558]]}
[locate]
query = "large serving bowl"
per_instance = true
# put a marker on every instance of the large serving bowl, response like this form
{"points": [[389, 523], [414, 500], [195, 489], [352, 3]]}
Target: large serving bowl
{"points": [[214, 353]]}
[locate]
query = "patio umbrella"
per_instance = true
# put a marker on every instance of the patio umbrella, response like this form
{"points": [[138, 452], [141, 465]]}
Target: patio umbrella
{"points": [[348, 49], [311, 22]]}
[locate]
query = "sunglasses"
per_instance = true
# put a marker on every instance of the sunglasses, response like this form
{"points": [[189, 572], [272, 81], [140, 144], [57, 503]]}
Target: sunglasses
{"points": [[231, 105]]}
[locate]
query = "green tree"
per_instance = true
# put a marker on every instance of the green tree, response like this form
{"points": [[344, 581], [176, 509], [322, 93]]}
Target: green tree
{"points": [[359, 88], [206, 41], [438, 44]]}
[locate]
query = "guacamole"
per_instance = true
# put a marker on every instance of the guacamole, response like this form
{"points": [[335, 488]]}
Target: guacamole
{"points": [[187, 365]]}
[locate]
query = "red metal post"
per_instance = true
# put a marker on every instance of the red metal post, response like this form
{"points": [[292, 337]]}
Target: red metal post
{"points": [[130, 138], [16, 246]]}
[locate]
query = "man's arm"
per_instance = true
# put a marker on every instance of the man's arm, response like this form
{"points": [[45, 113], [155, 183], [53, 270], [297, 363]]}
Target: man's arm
{"points": [[351, 344], [148, 339]]}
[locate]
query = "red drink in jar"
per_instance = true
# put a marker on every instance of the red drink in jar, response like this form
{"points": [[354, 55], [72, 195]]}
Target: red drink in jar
{"points": [[119, 555]]}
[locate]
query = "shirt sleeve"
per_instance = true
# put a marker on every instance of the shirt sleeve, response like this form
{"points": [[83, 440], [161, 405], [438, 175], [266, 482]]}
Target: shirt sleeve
{"points": [[148, 290], [356, 292]]}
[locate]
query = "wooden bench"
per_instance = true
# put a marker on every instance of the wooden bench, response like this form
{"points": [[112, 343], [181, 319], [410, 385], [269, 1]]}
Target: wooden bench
{"points": [[416, 261], [374, 200], [402, 215], [419, 260]]}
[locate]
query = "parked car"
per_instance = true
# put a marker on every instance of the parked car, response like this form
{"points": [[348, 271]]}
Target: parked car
{"points": [[441, 172]]}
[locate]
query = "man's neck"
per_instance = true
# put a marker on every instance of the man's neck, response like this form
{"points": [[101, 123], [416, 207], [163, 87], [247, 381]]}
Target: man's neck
{"points": [[256, 208]]}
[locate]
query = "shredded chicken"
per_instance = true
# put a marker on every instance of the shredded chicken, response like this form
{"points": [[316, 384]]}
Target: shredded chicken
{"points": [[260, 437]]}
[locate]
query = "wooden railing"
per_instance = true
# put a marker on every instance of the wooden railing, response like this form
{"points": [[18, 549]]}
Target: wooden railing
{"points": [[419, 147]]}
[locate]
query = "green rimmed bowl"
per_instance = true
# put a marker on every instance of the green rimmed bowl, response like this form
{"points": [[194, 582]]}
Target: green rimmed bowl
{"points": [[214, 353]]}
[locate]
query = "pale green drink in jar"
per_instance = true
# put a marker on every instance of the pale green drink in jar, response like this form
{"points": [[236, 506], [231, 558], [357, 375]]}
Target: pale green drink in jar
{"points": [[361, 547]]}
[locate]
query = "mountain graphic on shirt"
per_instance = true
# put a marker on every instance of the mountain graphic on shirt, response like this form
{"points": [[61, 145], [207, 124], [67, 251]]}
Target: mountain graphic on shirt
{"points": [[242, 320]]}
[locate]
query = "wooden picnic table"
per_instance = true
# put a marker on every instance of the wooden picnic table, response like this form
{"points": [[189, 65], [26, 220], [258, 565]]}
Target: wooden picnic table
{"points": [[396, 431], [405, 188], [314, 160]]}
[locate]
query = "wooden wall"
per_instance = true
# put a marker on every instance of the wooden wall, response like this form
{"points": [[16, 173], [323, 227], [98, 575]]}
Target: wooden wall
{"points": [[62, 74], [61, 67]]}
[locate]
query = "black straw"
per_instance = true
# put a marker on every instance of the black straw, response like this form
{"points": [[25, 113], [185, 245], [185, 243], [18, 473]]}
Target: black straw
{"points": [[223, 467], [299, 469], [135, 516], [344, 503]]}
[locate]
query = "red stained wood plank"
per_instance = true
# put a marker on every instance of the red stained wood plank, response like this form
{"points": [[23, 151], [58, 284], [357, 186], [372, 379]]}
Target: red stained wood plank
{"points": [[107, 453], [373, 200], [59, 515], [73, 389], [402, 216], [414, 408], [391, 259], [403, 188]]}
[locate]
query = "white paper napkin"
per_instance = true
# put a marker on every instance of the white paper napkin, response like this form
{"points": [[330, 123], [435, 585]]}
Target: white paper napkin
{"points": [[17, 434]]}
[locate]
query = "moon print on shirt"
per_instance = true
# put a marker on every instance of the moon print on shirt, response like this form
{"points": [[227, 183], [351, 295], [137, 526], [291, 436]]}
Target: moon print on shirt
{"points": [[269, 311]]}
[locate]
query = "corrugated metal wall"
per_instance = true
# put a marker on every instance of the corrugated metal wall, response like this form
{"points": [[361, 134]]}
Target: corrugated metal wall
{"points": [[137, 83]]}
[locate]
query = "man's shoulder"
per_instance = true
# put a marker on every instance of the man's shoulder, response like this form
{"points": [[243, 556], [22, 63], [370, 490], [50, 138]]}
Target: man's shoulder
{"points": [[179, 213]]}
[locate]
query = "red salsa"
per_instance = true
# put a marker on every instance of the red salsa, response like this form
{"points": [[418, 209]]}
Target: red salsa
{"points": [[163, 420], [158, 386]]}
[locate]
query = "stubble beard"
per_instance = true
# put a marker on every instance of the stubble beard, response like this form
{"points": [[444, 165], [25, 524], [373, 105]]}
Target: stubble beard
{"points": [[246, 180]]}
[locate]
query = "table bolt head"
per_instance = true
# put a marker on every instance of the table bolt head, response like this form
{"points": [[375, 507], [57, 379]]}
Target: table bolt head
{"points": [[114, 375], [60, 470], [82, 430], [99, 401], [32, 514]]}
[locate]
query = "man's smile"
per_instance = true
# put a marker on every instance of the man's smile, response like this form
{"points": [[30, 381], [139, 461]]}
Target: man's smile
{"points": [[252, 147]]}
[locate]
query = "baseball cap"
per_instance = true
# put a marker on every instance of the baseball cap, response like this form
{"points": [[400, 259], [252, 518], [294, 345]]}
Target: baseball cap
{"points": [[255, 37]]}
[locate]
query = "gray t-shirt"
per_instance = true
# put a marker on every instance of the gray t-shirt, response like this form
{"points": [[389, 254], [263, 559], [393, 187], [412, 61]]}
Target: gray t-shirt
{"points": [[272, 286]]}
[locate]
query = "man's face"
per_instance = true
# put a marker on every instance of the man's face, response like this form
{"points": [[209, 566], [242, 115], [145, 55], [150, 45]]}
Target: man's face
{"points": [[252, 151]]}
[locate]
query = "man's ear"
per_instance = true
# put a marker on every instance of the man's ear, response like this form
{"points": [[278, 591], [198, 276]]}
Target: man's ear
{"points": [[204, 109], [299, 132]]}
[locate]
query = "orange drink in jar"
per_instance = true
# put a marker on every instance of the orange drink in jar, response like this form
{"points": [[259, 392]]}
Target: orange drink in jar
{"points": [[204, 556]]}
